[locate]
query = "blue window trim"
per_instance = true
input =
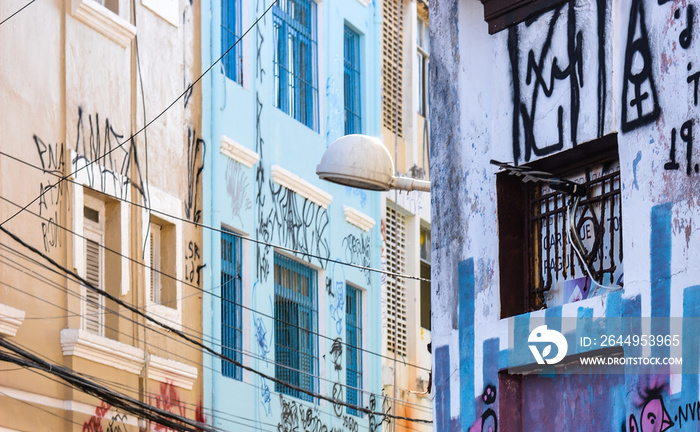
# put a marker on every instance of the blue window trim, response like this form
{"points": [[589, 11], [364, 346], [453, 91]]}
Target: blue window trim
{"points": [[231, 300], [353, 353], [295, 60], [352, 87], [296, 324], [230, 33]]}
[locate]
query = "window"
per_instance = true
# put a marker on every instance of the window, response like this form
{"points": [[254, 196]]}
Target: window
{"points": [[162, 289], [539, 265], [500, 14], [112, 5], [423, 56], [230, 33], [396, 286], [353, 353], [296, 88], [231, 301], [296, 323], [392, 65], [353, 113], [94, 230], [425, 301]]}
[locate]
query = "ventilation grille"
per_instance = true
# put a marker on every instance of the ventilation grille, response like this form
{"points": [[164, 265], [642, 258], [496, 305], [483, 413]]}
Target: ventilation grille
{"points": [[396, 286], [392, 61]]}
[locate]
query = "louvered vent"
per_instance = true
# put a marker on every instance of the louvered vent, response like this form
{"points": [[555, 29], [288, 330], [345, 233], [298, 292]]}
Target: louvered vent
{"points": [[392, 62], [93, 317], [396, 286], [156, 287]]}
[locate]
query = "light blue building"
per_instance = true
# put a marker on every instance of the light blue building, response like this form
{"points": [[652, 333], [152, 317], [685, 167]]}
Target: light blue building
{"points": [[283, 301]]}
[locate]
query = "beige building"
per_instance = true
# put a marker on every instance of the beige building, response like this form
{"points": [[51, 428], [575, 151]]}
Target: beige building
{"points": [[78, 79], [406, 371]]}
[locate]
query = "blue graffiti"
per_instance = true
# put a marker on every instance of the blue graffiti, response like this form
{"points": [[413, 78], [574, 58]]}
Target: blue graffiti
{"points": [[265, 397], [337, 306], [261, 335]]}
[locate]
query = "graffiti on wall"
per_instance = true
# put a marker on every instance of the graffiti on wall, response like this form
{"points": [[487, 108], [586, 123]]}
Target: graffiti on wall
{"points": [[375, 420], [296, 417], [116, 423], [193, 263], [52, 158], [168, 399], [357, 251], [550, 78], [488, 422], [237, 188], [652, 414], [196, 148]]}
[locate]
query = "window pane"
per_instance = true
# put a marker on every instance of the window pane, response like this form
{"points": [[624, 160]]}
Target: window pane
{"points": [[231, 301], [230, 32]]}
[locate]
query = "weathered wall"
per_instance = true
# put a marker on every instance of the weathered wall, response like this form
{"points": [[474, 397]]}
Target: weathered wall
{"points": [[569, 76]]}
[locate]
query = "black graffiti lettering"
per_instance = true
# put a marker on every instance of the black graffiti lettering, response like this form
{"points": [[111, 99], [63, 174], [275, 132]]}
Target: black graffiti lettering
{"points": [[686, 36], [357, 251], [337, 397], [196, 149], [694, 78], [51, 157], [687, 136], [641, 98], [672, 165]]}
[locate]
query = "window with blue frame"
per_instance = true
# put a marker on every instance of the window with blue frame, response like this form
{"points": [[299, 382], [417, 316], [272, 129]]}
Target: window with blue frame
{"points": [[296, 87], [231, 301], [353, 352], [353, 115], [296, 323], [230, 32]]}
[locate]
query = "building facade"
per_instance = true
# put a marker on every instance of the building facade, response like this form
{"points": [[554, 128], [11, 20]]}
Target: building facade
{"points": [[602, 94], [406, 215], [97, 282], [286, 300]]}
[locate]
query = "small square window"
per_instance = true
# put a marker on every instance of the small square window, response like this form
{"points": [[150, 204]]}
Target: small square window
{"points": [[540, 264]]}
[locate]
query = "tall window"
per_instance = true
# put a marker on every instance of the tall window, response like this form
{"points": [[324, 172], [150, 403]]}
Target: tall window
{"points": [[396, 286], [296, 88], [162, 287], [296, 323], [94, 229], [425, 301], [353, 354], [423, 63], [230, 32], [392, 70], [231, 300], [353, 118]]}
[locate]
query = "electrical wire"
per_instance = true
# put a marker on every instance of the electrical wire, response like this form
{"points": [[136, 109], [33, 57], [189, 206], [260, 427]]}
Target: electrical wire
{"points": [[107, 153], [18, 11], [221, 231], [211, 293], [192, 341]]}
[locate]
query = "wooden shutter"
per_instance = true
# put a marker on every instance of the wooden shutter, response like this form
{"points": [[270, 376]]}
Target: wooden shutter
{"points": [[392, 63], [154, 240], [396, 286], [93, 318]]}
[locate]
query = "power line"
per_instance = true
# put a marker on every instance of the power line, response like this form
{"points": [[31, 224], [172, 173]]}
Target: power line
{"points": [[184, 336], [212, 340], [189, 88], [18, 11], [211, 293], [219, 230]]}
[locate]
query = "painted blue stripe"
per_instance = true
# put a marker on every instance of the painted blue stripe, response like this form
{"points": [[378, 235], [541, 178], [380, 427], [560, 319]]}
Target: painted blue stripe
{"points": [[442, 388], [466, 339], [691, 345], [660, 273], [491, 357]]}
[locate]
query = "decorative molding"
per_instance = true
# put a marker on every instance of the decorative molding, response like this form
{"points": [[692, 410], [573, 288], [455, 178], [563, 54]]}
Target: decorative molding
{"points": [[357, 218], [10, 320], [292, 181], [171, 371], [103, 20], [238, 152], [99, 349], [363, 2]]}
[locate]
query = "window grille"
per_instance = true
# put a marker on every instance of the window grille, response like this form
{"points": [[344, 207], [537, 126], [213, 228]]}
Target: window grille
{"points": [[296, 324], [392, 63], [296, 75], [599, 226], [353, 117], [353, 354], [231, 301], [230, 33], [396, 286]]}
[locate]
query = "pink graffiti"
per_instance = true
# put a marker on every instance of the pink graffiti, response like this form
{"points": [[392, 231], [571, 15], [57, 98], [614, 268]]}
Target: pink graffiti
{"points": [[168, 400], [94, 424]]}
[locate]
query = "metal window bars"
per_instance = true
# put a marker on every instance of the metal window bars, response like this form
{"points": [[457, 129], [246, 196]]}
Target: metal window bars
{"points": [[352, 88], [295, 60], [353, 336], [230, 32], [296, 348], [231, 310]]}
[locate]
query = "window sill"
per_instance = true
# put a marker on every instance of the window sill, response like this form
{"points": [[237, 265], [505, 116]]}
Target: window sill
{"points": [[103, 21], [357, 218], [10, 320], [238, 152], [169, 316], [170, 371], [99, 349]]}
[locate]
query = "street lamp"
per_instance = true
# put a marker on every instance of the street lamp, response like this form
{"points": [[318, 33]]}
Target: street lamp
{"points": [[363, 162]]}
